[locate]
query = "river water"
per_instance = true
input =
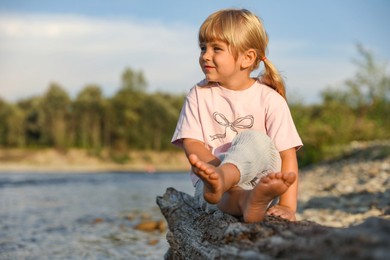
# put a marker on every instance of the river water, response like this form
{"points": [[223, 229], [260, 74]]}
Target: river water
{"points": [[83, 216]]}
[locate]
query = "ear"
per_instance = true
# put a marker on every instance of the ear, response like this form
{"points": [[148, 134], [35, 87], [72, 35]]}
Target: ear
{"points": [[249, 58]]}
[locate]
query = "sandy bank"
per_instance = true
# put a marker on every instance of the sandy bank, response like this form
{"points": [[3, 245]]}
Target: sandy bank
{"points": [[80, 161]]}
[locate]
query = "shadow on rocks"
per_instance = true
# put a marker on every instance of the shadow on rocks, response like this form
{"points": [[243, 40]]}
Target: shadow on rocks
{"points": [[353, 203]]}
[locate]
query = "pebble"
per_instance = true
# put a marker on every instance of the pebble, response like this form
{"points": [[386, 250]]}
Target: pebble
{"points": [[162, 226], [130, 216], [153, 242], [98, 220], [151, 225]]}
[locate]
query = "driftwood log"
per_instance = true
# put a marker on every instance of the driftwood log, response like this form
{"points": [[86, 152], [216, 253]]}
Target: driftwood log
{"points": [[196, 234]]}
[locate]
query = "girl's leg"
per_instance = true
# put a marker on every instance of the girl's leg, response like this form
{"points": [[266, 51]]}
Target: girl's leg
{"points": [[233, 201], [216, 180], [259, 163], [255, 156], [273, 185], [251, 204], [199, 198], [251, 156]]}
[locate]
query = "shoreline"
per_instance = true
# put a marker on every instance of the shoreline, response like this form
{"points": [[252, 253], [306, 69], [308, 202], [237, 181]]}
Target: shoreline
{"points": [[85, 170], [80, 161]]}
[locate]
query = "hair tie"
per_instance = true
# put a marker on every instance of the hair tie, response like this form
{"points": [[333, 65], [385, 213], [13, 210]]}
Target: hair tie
{"points": [[264, 58]]}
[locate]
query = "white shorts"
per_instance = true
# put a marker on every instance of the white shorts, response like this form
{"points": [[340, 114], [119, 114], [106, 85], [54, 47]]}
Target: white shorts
{"points": [[255, 156]]}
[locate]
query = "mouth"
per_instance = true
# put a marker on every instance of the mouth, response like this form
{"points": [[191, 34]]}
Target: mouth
{"points": [[207, 67]]}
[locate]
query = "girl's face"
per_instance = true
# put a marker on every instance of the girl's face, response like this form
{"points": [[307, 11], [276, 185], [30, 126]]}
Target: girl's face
{"points": [[218, 63]]}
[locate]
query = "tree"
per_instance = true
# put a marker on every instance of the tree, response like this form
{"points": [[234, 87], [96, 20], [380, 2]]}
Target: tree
{"points": [[34, 124], [357, 110], [3, 119], [370, 84], [133, 80], [125, 110], [57, 109], [159, 117], [89, 110], [15, 129], [368, 96]]}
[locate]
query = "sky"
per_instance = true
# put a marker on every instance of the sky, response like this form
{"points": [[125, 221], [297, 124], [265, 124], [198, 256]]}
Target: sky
{"points": [[77, 43]]}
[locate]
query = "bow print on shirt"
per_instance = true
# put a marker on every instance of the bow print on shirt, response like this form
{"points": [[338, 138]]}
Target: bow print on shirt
{"points": [[240, 123]]}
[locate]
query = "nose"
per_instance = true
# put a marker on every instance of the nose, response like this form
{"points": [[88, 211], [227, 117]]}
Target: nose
{"points": [[205, 55]]}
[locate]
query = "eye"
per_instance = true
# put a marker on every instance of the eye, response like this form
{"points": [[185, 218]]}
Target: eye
{"points": [[202, 47]]}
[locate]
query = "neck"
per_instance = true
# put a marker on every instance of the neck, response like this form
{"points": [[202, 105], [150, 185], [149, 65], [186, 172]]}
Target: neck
{"points": [[238, 85]]}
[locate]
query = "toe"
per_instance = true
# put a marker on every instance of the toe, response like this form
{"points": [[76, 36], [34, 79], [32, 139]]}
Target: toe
{"points": [[193, 159], [278, 175], [289, 177], [265, 179]]}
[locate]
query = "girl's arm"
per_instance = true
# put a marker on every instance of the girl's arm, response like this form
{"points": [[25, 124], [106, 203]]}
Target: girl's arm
{"points": [[288, 201], [193, 146]]}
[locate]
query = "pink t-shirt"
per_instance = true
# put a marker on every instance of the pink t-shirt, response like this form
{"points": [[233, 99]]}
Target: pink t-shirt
{"points": [[215, 115]]}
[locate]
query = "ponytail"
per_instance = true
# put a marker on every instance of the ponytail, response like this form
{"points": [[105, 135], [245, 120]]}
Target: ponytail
{"points": [[272, 78]]}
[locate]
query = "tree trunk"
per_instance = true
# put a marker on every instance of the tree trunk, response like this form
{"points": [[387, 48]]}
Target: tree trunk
{"points": [[197, 234]]}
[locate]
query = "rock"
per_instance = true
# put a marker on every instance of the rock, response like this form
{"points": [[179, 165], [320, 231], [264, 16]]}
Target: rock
{"points": [[147, 226], [162, 226], [145, 215], [98, 220], [151, 225], [130, 216], [196, 234], [153, 242]]}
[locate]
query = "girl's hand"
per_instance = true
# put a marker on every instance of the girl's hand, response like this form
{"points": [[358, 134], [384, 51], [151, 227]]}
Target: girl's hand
{"points": [[282, 211]]}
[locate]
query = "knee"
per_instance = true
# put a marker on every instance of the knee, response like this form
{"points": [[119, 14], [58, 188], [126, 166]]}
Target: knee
{"points": [[253, 137]]}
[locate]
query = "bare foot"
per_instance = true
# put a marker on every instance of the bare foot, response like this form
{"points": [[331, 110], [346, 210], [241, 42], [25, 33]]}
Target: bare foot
{"points": [[211, 177], [265, 191]]}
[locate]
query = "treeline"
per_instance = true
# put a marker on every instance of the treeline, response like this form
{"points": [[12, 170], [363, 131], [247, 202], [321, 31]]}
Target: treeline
{"points": [[130, 119], [133, 119]]}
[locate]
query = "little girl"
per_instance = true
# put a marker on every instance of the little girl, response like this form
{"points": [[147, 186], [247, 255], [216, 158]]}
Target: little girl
{"points": [[237, 131]]}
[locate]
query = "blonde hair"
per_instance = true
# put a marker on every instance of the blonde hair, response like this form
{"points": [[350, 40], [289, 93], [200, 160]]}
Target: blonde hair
{"points": [[242, 30]]}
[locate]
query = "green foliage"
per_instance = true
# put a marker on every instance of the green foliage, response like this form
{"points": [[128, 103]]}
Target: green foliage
{"points": [[56, 106], [3, 119], [124, 112], [134, 119], [159, 117], [133, 81], [34, 124], [356, 111], [11, 125], [88, 118]]}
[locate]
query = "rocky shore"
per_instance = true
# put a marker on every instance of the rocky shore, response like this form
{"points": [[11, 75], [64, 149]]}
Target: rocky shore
{"points": [[347, 190]]}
